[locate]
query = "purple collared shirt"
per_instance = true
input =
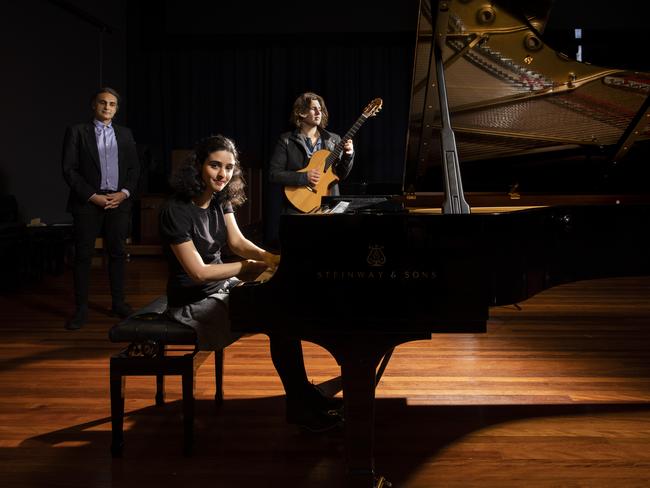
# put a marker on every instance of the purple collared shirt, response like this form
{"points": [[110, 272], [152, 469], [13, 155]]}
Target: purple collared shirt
{"points": [[108, 163]]}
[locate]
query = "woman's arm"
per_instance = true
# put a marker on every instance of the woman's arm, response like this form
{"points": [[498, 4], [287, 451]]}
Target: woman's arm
{"points": [[200, 272], [245, 248]]}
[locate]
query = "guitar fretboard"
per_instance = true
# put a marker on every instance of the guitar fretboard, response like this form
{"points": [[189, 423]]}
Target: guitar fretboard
{"points": [[338, 149]]}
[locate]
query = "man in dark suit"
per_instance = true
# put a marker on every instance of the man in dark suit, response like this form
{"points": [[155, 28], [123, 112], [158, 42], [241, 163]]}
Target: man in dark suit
{"points": [[100, 164]]}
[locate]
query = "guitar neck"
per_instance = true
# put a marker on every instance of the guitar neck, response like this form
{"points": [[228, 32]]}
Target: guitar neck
{"points": [[338, 149]]}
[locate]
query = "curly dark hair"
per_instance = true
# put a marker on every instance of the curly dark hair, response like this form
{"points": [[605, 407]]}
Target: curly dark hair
{"points": [[187, 181], [301, 107]]}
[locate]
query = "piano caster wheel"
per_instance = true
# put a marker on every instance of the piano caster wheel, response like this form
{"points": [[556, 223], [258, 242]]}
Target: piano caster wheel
{"points": [[382, 482]]}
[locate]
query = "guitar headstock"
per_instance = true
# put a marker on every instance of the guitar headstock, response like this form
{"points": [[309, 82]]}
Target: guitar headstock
{"points": [[373, 107]]}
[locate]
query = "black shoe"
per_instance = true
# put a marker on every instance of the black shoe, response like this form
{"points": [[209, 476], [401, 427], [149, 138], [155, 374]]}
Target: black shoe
{"points": [[79, 318], [122, 310], [319, 400], [311, 420]]}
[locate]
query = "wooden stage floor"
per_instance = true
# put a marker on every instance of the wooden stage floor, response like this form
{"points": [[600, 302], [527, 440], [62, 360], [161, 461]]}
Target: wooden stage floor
{"points": [[556, 394]]}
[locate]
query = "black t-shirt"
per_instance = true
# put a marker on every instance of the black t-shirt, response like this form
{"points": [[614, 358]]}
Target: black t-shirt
{"points": [[182, 221]]}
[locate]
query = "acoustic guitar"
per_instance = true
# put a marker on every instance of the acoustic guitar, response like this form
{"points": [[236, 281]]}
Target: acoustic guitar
{"points": [[308, 198]]}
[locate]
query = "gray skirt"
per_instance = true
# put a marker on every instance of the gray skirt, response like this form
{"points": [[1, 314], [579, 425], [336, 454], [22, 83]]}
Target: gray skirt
{"points": [[209, 318]]}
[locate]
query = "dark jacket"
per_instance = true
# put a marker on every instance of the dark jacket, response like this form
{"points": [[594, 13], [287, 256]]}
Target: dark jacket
{"points": [[81, 169]]}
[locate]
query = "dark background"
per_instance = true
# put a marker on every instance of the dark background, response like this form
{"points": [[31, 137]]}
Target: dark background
{"points": [[187, 70]]}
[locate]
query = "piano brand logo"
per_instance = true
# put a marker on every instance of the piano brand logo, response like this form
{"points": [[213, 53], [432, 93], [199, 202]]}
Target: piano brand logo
{"points": [[376, 256], [400, 275], [376, 259]]}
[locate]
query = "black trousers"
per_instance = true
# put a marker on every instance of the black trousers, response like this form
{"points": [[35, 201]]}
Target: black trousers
{"points": [[113, 226]]}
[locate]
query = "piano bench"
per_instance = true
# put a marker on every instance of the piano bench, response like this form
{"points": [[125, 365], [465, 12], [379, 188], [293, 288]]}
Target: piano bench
{"points": [[158, 346]]}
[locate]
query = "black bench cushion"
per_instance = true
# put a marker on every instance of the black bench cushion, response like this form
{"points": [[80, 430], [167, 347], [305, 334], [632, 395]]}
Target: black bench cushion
{"points": [[149, 324]]}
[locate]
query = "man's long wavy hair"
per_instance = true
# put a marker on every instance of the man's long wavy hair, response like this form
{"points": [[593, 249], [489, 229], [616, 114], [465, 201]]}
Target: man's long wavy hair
{"points": [[187, 181], [301, 107]]}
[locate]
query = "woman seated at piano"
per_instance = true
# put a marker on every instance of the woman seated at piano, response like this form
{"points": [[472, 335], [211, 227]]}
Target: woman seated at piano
{"points": [[196, 223]]}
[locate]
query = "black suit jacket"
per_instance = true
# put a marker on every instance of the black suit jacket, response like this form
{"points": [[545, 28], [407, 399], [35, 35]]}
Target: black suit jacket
{"points": [[81, 168]]}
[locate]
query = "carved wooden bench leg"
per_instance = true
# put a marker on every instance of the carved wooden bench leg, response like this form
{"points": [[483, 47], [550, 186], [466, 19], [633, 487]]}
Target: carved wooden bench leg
{"points": [[188, 408], [117, 413], [160, 390], [160, 384], [218, 377]]}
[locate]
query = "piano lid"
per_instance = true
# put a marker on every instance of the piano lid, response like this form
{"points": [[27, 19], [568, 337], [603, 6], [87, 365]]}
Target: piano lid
{"points": [[514, 101]]}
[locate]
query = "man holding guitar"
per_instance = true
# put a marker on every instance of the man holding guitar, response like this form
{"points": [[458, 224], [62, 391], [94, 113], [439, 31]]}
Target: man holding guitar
{"points": [[298, 159]]}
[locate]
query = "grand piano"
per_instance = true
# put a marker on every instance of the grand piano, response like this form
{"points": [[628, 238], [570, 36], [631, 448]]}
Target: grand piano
{"points": [[487, 91]]}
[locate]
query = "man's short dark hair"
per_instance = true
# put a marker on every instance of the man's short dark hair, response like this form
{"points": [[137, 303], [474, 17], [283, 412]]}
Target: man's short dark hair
{"points": [[105, 89]]}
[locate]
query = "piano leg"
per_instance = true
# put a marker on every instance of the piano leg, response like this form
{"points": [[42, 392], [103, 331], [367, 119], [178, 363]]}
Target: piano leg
{"points": [[358, 378], [359, 355]]}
